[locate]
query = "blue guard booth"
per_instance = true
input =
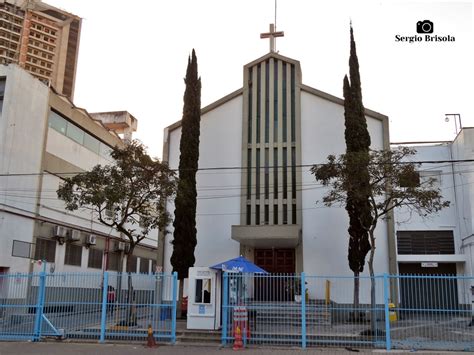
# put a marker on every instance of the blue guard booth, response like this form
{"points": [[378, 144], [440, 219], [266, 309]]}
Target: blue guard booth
{"points": [[204, 298], [205, 291]]}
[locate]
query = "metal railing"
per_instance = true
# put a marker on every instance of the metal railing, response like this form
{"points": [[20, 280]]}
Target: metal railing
{"points": [[98, 306], [393, 311], [434, 312]]}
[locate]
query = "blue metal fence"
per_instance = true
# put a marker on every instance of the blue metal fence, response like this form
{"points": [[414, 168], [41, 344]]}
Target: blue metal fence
{"points": [[414, 312], [435, 312], [100, 306]]}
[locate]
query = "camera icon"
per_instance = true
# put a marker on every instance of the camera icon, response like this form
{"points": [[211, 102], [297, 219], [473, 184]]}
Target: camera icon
{"points": [[425, 26]]}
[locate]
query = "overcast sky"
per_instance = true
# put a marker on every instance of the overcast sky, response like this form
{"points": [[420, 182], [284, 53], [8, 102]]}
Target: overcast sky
{"points": [[133, 56]]}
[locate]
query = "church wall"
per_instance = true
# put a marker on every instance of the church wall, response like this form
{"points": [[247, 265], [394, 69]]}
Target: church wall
{"points": [[219, 191], [324, 231]]}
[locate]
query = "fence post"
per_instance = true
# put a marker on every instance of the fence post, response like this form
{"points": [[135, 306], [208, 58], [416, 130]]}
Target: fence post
{"points": [[303, 310], [40, 303], [173, 311], [103, 320], [386, 292], [225, 300]]}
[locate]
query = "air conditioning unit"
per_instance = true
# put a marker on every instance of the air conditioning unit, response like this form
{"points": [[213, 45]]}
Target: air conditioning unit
{"points": [[60, 232], [74, 236], [120, 246], [91, 239]]}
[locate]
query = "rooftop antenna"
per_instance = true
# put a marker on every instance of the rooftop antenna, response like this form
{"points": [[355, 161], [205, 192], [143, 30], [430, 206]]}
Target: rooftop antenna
{"points": [[275, 15], [273, 33]]}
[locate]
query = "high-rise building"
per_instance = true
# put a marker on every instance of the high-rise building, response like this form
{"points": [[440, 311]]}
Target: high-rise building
{"points": [[42, 39]]}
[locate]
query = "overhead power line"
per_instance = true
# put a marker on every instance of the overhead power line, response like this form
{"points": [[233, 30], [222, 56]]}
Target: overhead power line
{"points": [[227, 168]]}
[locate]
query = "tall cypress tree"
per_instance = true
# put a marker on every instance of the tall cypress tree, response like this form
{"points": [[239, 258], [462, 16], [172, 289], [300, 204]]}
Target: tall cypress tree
{"points": [[357, 157], [185, 241]]}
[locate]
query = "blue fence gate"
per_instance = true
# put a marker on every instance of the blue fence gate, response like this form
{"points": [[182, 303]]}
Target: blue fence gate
{"points": [[102, 306]]}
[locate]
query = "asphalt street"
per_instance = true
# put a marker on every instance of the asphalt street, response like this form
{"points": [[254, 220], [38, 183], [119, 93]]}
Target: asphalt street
{"points": [[56, 348]]}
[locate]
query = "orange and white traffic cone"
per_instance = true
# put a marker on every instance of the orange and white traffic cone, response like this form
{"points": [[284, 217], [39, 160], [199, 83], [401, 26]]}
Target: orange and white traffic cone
{"points": [[151, 343], [238, 340]]}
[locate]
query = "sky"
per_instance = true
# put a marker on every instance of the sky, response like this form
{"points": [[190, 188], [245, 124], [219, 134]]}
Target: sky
{"points": [[133, 56]]}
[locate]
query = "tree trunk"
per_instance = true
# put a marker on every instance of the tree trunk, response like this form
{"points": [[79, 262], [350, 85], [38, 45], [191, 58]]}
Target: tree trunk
{"points": [[180, 299], [132, 312], [356, 312], [373, 313]]}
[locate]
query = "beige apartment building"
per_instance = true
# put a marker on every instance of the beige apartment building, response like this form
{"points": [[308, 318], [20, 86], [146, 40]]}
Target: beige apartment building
{"points": [[42, 39]]}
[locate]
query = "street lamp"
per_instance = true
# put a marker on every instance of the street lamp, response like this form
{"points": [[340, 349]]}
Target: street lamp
{"points": [[456, 117]]}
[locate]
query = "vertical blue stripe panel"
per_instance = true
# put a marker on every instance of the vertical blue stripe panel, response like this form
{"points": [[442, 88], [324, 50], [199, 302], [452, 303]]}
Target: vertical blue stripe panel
{"points": [[303, 310], [224, 307], [40, 303], [103, 320], [386, 292], [173, 312]]}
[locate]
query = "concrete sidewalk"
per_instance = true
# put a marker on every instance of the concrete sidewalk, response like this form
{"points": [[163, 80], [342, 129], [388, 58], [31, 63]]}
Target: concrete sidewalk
{"points": [[60, 348]]}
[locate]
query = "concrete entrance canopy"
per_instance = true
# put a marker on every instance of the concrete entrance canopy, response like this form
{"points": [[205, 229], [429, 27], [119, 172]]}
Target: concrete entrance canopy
{"points": [[278, 236]]}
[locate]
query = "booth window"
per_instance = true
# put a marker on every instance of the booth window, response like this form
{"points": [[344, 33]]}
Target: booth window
{"points": [[203, 291]]}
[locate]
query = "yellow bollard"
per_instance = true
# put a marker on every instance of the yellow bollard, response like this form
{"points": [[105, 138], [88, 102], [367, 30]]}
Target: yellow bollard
{"points": [[392, 315], [328, 292]]}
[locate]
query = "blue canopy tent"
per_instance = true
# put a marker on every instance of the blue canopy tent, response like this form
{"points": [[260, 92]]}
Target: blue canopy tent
{"points": [[239, 264], [239, 285]]}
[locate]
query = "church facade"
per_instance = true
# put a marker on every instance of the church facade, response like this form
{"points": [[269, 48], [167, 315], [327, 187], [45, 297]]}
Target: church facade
{"points": [[256, 195]]}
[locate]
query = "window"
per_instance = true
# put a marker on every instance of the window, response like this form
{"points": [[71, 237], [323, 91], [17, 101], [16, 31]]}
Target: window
{"points": [[275, 101], [293, 172], [91, 143], [144, 264], [267, 174], [285, 173], [275, 173], [425, 242], [95, 258], [203, 291], [57, 123], [61, 125], [73, 255], [284, 101], [292, 118], [114, 262], [257, 175], [249, 174], [267, 101], [2, 92], [75, 133], [45, 250], [250, 109], [257, 133], [431, 176]]}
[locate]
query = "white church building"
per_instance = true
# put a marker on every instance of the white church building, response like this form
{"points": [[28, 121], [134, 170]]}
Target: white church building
{"points": [[256, 195]]}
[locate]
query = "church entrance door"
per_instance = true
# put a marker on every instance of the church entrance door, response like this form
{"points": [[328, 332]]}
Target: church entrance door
{"points": [[276, 287]]}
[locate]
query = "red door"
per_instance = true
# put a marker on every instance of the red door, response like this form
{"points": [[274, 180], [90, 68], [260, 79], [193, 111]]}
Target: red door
{"points": [[276, 287]]}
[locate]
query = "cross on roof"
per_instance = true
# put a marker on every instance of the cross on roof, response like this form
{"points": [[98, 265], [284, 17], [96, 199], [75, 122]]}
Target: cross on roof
{"points": [[272, 35]]}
